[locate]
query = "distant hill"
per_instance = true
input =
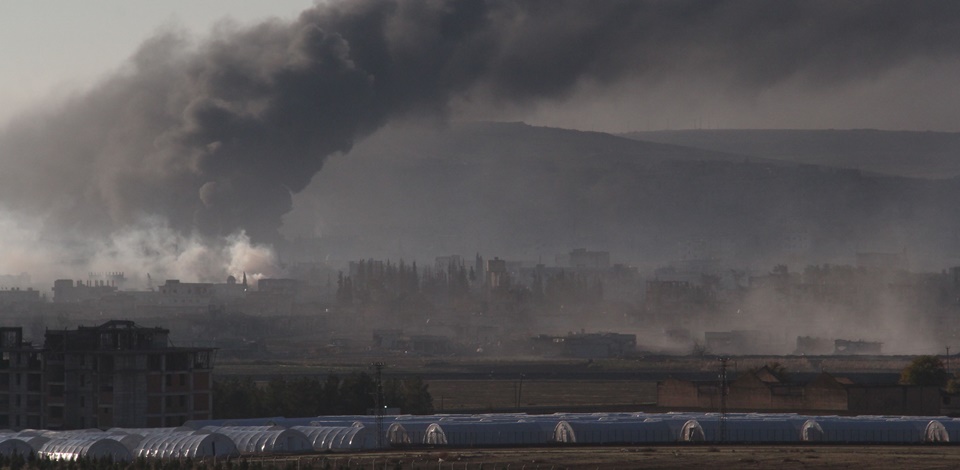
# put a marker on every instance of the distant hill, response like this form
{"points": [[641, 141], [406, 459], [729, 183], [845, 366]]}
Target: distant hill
{"points": [[900, 153], [520, 141], [524, 192]]}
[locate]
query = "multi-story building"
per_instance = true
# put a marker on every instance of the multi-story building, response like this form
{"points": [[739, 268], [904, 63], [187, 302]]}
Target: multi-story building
{"points": [[496, 273], [581, 258], [68, 291], [21, 374], [19, 301], [121, 375], [186, 294]]}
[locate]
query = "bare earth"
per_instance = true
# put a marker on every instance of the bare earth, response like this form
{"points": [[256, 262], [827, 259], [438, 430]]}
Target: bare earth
{"points": [[662, 457], [453, 396]]}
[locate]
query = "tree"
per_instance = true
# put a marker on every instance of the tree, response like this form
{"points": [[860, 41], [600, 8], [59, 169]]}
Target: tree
{"points": [[925, 370], [416, 396], [237, 398], [410, 395], [358, 393], [776, 369], [699, 350]]}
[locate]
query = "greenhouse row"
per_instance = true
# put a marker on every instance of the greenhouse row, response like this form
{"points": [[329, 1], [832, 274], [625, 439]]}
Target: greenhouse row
{"points": [[278, 435]]}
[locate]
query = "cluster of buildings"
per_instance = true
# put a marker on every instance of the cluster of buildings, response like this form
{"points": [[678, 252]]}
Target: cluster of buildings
{"points": [[458, 305], [106, 294], [819, 310]]}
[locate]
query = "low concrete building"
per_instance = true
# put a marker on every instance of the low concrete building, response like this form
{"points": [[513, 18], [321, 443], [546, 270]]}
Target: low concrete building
{"points": [[586, 345]]}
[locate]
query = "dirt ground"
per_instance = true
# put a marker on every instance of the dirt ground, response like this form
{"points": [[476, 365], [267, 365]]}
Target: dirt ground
{"points": [[663, 457], [452, 396]]}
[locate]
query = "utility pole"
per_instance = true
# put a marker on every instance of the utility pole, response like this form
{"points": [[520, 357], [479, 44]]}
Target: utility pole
{"points": [[948, 360], [722, 428], [378, 400], [520, 391]]}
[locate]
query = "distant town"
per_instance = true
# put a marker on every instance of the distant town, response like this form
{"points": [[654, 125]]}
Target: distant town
{"points": [[582, 304]]}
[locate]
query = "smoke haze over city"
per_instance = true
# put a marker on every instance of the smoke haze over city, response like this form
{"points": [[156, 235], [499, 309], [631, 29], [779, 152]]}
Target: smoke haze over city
{"points": [[392, 129]]}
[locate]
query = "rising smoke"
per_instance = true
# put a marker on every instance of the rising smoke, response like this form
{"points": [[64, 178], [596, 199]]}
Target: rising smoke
{"points": [[213, 138], [148, 248]]}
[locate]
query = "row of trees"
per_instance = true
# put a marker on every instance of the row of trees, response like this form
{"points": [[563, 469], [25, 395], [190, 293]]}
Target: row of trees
{"points": [[310, 396], [929, 370], [378, 281]]}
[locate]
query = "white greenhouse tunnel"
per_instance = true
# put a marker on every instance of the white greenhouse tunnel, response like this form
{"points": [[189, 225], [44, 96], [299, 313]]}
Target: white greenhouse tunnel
{"points": [[279, 435]]}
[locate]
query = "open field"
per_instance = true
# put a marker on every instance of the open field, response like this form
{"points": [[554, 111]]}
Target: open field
{"points": [[662, 457], [489, 367], [558, 384], [454, 396]]}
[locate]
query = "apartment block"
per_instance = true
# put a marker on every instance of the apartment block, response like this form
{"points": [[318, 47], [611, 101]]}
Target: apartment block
{"points": [[21, 375], [119, 374]]}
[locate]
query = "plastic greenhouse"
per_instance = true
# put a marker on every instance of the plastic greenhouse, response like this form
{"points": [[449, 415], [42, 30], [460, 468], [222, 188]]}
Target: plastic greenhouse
{"points": [[10, 446], [486, 433], [177, 445], [73, 448], [615, 431], [340, 437], [267, 441]]}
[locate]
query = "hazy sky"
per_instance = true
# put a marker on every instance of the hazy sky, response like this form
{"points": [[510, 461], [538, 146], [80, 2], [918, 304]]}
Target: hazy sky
{"points": [[57, 47]]}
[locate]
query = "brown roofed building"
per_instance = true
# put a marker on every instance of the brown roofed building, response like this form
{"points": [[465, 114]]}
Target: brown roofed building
{"points": [[763, 390]]}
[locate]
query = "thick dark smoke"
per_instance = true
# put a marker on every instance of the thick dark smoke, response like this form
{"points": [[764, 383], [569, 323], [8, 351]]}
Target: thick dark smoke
{"points": [[216, 137]]}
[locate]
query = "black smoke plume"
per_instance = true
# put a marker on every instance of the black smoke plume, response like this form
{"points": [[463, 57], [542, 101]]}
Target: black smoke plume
{"points": [[216, 136]]}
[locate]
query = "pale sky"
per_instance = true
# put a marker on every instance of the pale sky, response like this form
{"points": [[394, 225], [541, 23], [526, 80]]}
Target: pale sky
{"points": [[57, 47]]}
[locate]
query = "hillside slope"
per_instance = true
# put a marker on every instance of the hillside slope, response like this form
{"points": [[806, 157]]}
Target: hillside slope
{"points": [[899, 153], [523, 192]]}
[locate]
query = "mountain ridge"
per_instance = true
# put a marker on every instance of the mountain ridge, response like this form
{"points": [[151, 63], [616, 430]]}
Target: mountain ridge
{"points": [[523, 192], [923, 154]]}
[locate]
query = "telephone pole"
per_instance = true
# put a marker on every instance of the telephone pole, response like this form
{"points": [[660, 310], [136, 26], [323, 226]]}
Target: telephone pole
{"points": [[722, 428], [520, 391], [378, 403]]}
